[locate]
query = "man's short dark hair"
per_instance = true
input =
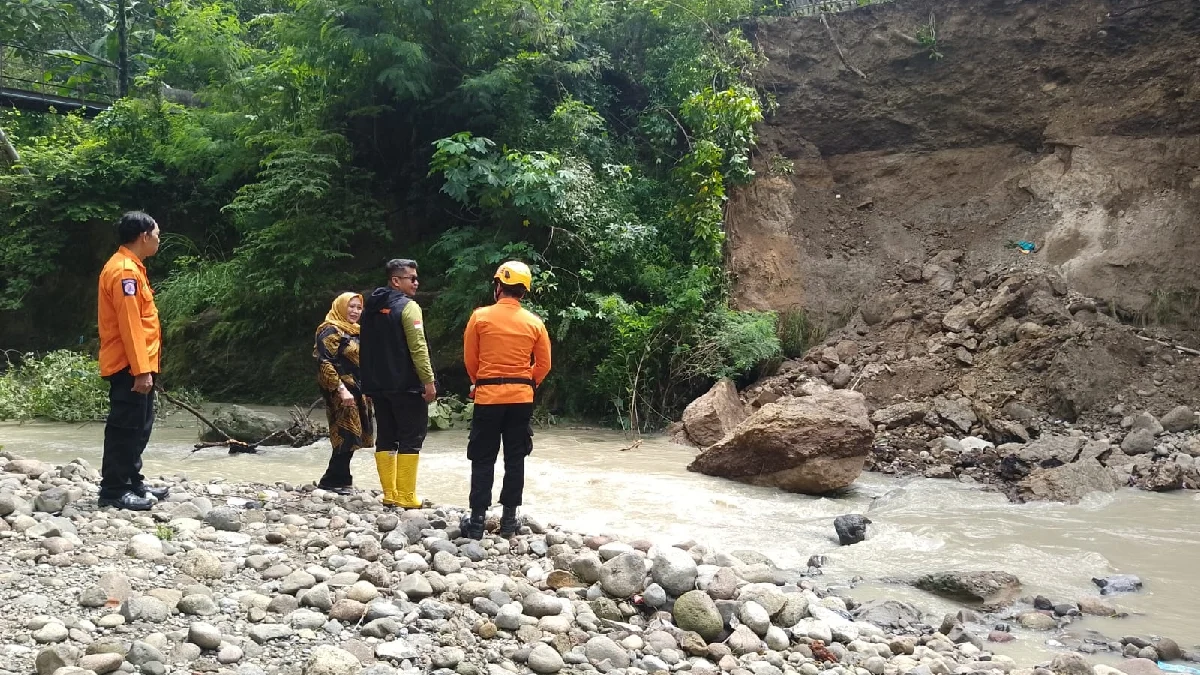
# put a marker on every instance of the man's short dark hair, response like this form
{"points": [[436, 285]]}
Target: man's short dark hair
{"points": [[133, 225], [512, 290], [396, 266]]}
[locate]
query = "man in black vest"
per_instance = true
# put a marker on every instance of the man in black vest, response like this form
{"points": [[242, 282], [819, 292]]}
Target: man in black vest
{"points": [[398, 376]]}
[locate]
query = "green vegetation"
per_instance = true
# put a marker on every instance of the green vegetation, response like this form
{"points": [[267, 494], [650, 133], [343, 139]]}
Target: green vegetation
{"points": [[165, 532], [596, 140], [63, 386], [927, 38]]}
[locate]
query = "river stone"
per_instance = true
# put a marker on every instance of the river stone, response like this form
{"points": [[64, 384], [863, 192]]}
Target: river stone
{"points": [[296, 581], [1050, 450], [695, 611], [1037, 621], [794, 609], [540, 605], [990, 587], [53, 500], [50, 659], [145, 547], [306, 618], [623, 575], [1180, 419], [1118, 583], [28, 467], [204, 635], [1069, 483], [544, 659], [1139, 442], [330, 660], [52, 632], [1070, 664], [674, 569], [586, 568], [743, 641], [416, 586], [224, 519], [714, 415], [199, 563], [347, 610], [263, 633], [248, 426], [198, 605], [654, 596], [812, 445], [724, 584], [755, 617], [395, 650], [230, 654], [851, 529], [145, 608], [101, 663], [362, 591], [445, 562], [766, 595], [601, 648], [1139, 666], [888, 614]]}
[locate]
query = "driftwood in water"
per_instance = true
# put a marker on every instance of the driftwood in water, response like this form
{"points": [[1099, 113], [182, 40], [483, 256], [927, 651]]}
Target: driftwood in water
{"points": [[303, 431]]}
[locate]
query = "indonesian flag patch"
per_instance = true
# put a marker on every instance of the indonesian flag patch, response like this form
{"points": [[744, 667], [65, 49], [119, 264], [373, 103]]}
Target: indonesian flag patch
{"points": [[129, 286]]}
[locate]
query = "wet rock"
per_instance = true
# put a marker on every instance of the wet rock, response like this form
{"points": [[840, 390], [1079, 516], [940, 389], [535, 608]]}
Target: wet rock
{"points": [[1037, 621], [695, 611], [989, 587], [888, 613], [851, 529], [811, 445], [1118, 583], [1069, 483], [248, 426], [1168, 649], [1139, 666], [674, 569], [623, 575], [1096, 607], [714, 415]]}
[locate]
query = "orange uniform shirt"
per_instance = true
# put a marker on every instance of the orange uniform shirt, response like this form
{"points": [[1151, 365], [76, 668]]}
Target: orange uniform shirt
{"points": [[130, 336], [499, 342]]}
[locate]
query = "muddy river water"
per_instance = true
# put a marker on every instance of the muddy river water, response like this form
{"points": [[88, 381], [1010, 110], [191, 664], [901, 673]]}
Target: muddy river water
{"points": [[583, 480]]}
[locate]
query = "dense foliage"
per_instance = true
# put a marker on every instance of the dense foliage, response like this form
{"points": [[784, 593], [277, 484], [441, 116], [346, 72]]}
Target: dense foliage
{"points": [[62, 385], [289, 147]]}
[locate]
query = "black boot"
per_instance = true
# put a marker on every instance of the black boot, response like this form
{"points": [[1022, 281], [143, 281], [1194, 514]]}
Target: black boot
{"points": [[472, 527], [509, 522]]}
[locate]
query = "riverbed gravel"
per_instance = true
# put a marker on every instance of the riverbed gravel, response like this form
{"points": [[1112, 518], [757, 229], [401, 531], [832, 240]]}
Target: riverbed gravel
{"points": [[254, 579]]}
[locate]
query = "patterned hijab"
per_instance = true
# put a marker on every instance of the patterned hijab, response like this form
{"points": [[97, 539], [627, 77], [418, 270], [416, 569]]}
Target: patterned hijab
{"points": [[339, 315]]}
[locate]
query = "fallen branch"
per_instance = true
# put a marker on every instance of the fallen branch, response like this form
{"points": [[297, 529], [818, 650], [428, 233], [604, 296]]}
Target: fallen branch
{"points": [[1179, 348], [162, 392], [838, 47]]}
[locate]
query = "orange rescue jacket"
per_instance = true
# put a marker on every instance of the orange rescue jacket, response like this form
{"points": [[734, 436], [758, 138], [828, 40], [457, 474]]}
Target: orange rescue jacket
{"points": [[130, 336], [498, 344]]}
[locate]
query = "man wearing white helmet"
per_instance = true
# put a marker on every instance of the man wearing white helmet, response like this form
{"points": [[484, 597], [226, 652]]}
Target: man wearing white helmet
{"points": [[506, 350]]}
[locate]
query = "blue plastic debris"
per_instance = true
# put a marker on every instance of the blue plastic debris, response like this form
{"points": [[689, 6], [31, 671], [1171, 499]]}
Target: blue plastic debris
{"points": [[1173, 668]]}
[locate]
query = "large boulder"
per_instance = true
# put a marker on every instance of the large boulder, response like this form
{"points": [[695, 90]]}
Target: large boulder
{"points": [[711, 417], [989, 587], [247, 426], [1068, 483], [813, 445]]}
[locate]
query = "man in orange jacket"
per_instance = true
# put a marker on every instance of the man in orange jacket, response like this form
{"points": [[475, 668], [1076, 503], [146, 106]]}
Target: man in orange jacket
{"points": [[130, 343], [506, 350]]}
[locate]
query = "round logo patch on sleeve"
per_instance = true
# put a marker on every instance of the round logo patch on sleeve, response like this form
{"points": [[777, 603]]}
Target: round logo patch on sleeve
{"points": [[129, 286]]}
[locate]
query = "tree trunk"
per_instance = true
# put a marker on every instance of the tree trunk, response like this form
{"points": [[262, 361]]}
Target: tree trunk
{"points": [[9, 152], [122, 51]]}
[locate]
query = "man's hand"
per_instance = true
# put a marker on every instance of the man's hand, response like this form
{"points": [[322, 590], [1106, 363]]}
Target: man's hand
{"points": [[430, 392], [346, 396], [143, 383]]}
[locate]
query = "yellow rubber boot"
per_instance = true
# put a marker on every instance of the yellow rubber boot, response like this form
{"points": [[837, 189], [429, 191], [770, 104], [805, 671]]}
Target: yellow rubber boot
{"points": [[385, 463], [406, 481]]}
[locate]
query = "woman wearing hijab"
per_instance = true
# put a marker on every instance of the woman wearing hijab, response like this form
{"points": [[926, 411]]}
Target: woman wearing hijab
{"points": [[350, 414]]}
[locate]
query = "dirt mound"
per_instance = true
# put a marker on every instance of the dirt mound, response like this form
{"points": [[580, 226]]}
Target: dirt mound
{"points": [[1001, 358]]}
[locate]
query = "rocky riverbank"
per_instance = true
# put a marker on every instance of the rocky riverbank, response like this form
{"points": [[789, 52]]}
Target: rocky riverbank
{"points": [[1004, 377], [252, 579]]}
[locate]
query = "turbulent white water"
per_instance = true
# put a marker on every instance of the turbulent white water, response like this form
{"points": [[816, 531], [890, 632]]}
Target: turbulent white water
{"points": [[583, 480]]}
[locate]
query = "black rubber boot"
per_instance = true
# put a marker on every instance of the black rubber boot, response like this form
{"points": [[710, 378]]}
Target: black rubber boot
{"points": [[509, 522], [472, 527]]}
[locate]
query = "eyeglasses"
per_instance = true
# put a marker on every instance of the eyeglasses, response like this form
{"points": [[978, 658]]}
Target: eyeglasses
{"points": [[414, 279]]}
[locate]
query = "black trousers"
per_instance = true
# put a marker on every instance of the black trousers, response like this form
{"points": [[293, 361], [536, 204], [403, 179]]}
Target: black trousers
{"points": [[402, 420], [126, 433], [491, 424]]}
